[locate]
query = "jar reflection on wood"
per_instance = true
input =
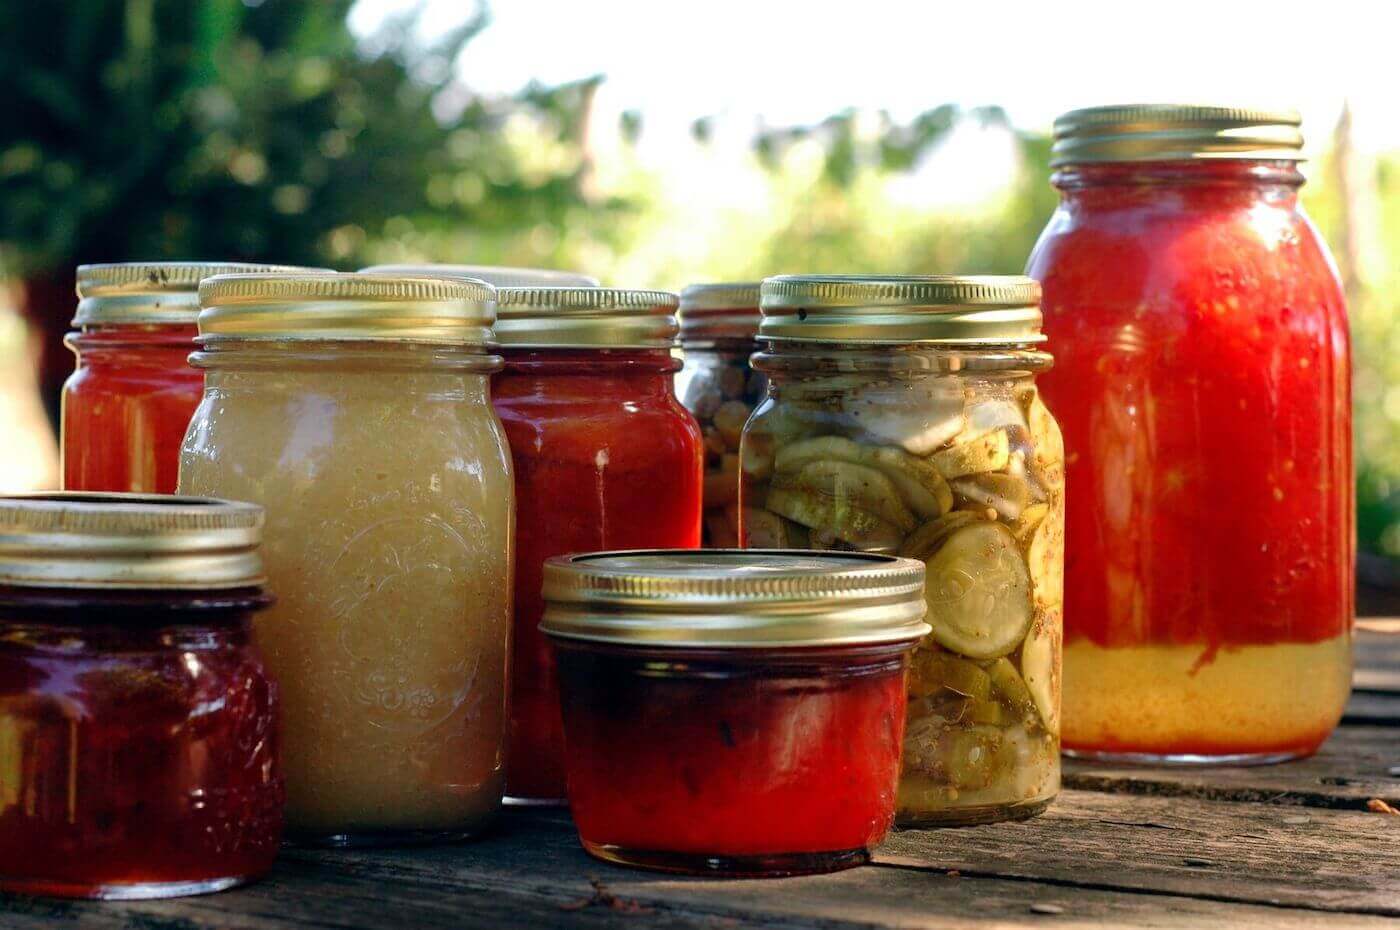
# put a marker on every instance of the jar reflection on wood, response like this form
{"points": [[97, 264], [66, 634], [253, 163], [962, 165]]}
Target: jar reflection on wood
{"points": [[902, 417], [356, 409], [138, 725], [719, 323]]}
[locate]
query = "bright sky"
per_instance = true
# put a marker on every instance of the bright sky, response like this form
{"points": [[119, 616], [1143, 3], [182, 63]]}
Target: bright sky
{"points": [[789, 62]]}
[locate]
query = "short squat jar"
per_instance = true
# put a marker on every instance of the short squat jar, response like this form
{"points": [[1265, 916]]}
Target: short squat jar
{"points": [[138, 725], [605, 458], [719, 323], [902, 417], [733, 713], [128, 402], [356, 409]]}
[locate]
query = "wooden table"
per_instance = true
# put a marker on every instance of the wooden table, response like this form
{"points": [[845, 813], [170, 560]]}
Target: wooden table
{"points": [[1279, 846]]}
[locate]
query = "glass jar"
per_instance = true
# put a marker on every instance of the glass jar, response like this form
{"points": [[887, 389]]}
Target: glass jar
{"points": [[719, 323], [495, 275], [356, 409], [605, 458], [733, 713], [128, 402], [138, 726], [902, 417], [1205, 396]]}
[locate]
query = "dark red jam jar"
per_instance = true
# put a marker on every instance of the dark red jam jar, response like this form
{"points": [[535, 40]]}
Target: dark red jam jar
{"points": [[733, 712], [130, 398], [138, 728]]}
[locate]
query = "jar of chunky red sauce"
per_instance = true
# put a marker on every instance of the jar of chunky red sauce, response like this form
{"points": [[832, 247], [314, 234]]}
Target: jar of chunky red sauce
{"points": [[138, 727], [605, 457], [1203, 388], [730, 712], [128, 402]]}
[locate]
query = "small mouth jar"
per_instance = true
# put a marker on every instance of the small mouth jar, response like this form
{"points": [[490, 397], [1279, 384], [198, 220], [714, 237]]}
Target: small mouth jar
{"points": [[733, 712]]}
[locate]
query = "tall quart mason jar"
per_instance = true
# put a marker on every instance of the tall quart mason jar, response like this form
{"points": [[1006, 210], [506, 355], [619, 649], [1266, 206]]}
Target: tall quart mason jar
{"points": [[902, 417], [719, 326], [1204, 388], [356, 409]]}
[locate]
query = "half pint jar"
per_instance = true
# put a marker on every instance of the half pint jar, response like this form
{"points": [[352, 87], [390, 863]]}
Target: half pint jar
{"points": [[127, 404], [605, 458], [356, 409], [138, 725], [731, 712], [719, 323], [902, 417]]}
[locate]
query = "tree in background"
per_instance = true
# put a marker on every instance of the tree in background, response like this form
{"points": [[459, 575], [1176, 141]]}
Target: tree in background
{"points": [[256, 131]]}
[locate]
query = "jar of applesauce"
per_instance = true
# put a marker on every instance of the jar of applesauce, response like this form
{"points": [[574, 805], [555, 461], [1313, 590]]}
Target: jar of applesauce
{"points": [[719, 323], [1205, 391], [902, 417], [355, 408]]}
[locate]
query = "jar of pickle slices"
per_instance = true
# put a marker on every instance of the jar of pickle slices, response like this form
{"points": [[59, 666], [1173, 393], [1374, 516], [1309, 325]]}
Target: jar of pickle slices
{"points": [[719, 323], [902, 417]]}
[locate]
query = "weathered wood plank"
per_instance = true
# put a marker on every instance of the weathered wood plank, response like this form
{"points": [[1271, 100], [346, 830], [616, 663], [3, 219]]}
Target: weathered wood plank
{"points": [[1377, 661], [1357, 764], [1254, 853], [1375, 708]]}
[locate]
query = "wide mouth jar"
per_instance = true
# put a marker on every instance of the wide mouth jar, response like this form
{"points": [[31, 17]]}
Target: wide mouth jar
{"points": [[733, 712], [139, 743]]}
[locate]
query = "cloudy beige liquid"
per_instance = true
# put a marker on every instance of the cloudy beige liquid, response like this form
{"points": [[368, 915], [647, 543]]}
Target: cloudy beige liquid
{"points": [[388, 546]]}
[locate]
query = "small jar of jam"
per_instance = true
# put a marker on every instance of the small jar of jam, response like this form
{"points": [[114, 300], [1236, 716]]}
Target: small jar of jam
{"points": [[719, 323], [126, 405], [138, 726], [733, 713]]}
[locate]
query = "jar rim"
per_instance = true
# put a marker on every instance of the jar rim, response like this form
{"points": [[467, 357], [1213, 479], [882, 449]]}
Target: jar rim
{"points": [[125, 293]]}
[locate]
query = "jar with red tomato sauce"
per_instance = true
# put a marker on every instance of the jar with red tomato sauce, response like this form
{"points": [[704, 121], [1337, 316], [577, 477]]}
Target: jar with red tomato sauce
{"points": [[128, 402], [139, 746], [719, 330], [1203, 387], [605, 457], [730, 712]]}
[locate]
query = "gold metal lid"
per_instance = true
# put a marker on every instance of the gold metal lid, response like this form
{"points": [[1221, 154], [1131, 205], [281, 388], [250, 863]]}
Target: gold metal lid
{"points": [[585, 317], [734, 598], [338, 306], [719, 311], [128, 541], [152, 292], [495, 275], [1175, 132], [893, 309]]}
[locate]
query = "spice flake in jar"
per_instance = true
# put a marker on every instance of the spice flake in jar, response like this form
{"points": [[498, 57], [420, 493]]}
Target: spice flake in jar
{"points": [[733, 713], [367, 432], [918, 430], [605, 457], [718, 326], [138, 724]]}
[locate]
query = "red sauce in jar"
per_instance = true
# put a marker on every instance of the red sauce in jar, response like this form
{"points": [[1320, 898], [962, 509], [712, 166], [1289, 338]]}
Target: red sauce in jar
{"points": [[126, 407], [605, 457], [736, 762], [138, 743], [1203, 389]]}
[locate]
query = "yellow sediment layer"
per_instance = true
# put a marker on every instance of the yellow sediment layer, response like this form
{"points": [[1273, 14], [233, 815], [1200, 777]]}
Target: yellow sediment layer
{"points": [[1153, 699]]}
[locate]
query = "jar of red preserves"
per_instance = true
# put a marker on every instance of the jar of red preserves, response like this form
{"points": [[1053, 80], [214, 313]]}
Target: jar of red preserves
{"points": [[1203, 386], [719, 329], [605, 457], [126, 405], [733, 713], [138, 727]]}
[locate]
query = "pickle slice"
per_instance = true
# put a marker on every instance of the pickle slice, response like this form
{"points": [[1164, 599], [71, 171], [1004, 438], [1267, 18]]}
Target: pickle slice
{"points": [[970, 756], [921, 488], [764, 530], [978, 591], [941, 670], [1040, 666], [987, 452], [756, 455], [1011, 687], [1049, 452], [1045, 558], [922, 542], [1005, 494], [838, 518], [863, 487], [1029, 520]]}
